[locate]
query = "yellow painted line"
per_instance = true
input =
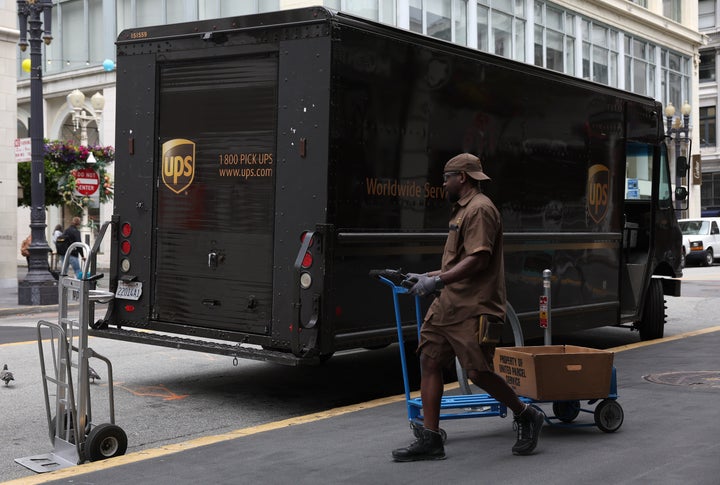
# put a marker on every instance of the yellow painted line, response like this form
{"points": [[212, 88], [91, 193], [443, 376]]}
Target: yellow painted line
{"points": [[239, 433], [680, 336]]}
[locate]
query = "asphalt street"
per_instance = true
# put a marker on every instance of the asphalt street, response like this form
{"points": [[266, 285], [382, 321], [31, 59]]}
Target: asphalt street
{"points": [[196, 418]]}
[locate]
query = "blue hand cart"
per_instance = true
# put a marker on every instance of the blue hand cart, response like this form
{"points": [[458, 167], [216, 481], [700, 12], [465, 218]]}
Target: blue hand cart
{"points": [[608, 414]]}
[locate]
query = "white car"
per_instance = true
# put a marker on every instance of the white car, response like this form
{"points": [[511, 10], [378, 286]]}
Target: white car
{"points": [[701, 239]]}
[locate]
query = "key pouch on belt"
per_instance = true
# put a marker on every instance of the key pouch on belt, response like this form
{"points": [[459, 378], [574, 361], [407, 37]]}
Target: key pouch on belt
{"points": [[490, 330]]}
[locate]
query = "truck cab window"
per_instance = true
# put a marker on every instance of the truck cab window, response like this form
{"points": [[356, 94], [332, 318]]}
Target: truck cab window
{"points": [[638, 172]]}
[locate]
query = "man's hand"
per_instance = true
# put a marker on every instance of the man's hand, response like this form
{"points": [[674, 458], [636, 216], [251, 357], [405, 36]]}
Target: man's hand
{"points": [[426, 285]]}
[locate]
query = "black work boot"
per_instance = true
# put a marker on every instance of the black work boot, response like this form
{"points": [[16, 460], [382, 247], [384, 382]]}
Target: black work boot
{"points": [[528, 424], [429, 446]]}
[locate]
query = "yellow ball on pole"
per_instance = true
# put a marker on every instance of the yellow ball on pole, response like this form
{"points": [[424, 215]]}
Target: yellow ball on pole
{"points": [[26, 65]]}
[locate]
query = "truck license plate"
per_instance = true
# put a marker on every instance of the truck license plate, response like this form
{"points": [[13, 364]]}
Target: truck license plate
{"points": [[129, 290]]}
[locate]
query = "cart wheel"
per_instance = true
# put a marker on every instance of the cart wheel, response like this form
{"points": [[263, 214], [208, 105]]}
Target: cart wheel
{"points": [[418, 428], [566, 411], [105, 441], [609, 415]]}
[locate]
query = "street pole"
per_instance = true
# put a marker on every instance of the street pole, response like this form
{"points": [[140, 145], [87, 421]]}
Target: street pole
{"points": [[679, 130], [39, 286]]}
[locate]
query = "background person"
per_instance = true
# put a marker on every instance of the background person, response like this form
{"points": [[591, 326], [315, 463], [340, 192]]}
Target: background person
{"points": [[73, 235]]}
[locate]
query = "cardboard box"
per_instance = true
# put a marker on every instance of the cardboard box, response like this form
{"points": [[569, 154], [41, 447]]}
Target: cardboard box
{"points": [[556, 372]]}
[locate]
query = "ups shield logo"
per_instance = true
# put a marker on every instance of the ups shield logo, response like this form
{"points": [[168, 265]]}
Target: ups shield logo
{"points": [[598, 187], [178, 164]]}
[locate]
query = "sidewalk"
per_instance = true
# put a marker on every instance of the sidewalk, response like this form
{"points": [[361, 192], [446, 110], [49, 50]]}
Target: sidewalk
{"points": [[9, 299]]}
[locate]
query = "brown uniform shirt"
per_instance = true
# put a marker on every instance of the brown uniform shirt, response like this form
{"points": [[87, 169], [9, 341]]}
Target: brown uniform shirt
{"points": [[475, 226]]}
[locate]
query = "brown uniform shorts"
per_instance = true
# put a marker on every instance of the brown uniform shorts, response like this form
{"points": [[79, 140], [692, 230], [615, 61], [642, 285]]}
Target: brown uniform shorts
{"points": [[444, 342]]}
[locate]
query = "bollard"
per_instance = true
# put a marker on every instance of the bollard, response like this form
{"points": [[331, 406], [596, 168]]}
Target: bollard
{"points": [[546, 307]]}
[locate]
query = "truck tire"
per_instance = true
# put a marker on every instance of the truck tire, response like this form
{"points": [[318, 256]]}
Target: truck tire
{"points": [[709, 257], [652, 325], [466, 386]]}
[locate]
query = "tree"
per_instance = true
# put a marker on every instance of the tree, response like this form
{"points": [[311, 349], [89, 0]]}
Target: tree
{"points": [[62, 161]]}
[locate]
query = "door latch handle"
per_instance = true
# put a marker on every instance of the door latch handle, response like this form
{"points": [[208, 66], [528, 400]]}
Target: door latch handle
{"points": [[212, 260]]}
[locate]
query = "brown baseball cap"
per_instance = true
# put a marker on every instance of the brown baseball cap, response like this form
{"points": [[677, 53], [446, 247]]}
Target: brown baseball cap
{"points": [[468, 163]]}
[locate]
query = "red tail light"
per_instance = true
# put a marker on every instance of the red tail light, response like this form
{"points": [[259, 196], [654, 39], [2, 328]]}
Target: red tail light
{"points": [[303, 236], [307, 260], [125, 247], [126, 229]]}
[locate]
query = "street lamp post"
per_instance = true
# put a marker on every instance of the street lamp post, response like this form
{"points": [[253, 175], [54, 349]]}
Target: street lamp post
{"points": [[39, 287], [81, 119], [679, 130]]}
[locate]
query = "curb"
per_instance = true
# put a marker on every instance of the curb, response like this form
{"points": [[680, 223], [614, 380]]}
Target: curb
{"points": [[27, 310]]}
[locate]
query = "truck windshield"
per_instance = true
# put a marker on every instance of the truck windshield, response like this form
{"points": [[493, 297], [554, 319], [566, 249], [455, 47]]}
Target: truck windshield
{"points": [[695, 228]]}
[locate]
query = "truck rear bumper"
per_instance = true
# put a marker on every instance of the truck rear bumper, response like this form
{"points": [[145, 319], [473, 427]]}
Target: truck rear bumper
{"points": [[232, 350]]}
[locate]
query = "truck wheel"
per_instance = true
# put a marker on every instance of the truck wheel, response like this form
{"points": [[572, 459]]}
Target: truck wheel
{"points": [[519, 341], [652, 325], [709, 257], [105, 441]]}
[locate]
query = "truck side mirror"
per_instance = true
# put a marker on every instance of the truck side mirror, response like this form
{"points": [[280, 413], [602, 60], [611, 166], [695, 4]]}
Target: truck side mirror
{"points": [[681, 193], [681, 166]]}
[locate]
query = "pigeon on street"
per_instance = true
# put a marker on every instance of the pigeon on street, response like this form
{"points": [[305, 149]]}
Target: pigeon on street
{"points": [[6, 375]]}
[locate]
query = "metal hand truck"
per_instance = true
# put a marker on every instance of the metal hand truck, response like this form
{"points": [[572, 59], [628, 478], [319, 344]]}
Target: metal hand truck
{"points": [[73, 434]]}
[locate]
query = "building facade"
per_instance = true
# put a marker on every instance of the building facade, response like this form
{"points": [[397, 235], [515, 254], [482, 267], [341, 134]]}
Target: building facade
{"points": [[649, 47], [709, 100]]}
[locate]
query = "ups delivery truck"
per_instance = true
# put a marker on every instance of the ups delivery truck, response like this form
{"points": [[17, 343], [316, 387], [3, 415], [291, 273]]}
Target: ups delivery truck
{"points": [[266, 163]]}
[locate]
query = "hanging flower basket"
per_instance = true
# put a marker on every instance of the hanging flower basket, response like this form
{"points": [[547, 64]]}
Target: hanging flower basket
{"points": [[62, 161]]}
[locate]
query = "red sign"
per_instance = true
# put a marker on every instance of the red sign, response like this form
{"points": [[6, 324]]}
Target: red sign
{"points": [[543, 311], [23, 150], [87, 181]]}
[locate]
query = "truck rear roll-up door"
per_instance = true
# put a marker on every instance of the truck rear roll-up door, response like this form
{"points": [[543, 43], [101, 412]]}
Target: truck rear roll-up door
{"points": [[215, 201]]}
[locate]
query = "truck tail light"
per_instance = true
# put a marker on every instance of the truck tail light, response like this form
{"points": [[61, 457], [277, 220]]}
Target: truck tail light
{"points": [[125, 247], [307, 260], [126, 229]]}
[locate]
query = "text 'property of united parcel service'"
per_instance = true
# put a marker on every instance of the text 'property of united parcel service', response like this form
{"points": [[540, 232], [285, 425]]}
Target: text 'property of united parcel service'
{"points": [[512, 369], [245, 165]]}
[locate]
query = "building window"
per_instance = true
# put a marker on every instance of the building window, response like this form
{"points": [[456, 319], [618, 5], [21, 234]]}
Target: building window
{"points": [[707, 66], [671, 9], [675, 77], [378, 10], [710, 190], [639, 66], [442, 19], [706, 12], [642, 3], [708, 137], [211, 9], [599, 53], [554, 38], [77, 36], [501, 28]]}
